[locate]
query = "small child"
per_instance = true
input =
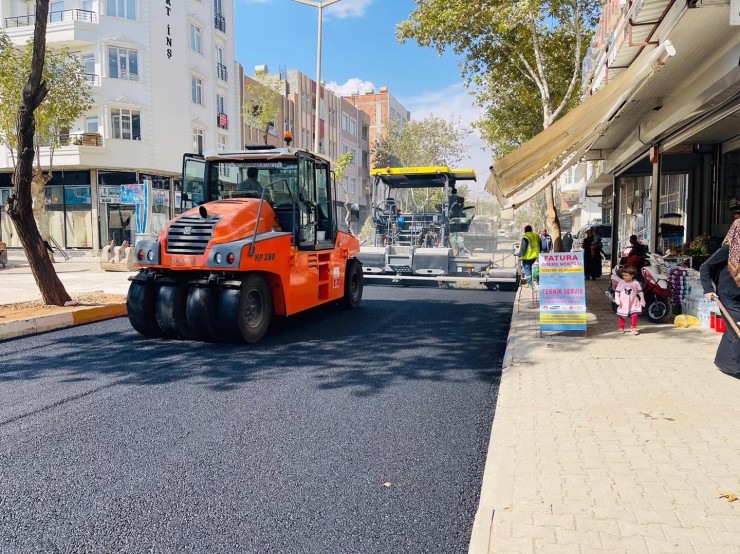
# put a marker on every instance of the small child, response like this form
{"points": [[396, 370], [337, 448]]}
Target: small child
{"points": [[629, 298]]}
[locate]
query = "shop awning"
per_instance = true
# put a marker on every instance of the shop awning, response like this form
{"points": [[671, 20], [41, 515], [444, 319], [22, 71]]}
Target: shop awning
{"points": [[550, 151], [523, 196]]}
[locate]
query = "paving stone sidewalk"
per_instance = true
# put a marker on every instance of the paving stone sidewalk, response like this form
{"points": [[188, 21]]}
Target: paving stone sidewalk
{"points": [[611, 443]]}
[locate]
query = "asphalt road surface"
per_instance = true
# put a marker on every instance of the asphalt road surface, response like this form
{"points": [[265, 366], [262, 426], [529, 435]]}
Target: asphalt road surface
{"points": [[359, 431]]}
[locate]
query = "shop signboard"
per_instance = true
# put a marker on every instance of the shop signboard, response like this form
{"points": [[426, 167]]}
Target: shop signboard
{"points": [[109, 195], [562, 292], [132, 194]]}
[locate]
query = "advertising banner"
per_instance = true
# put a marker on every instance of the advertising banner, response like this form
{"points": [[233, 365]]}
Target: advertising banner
{"points": [[139, 194], [562, 292]]}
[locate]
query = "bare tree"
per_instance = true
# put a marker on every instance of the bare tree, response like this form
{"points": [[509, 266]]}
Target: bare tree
{"points": [[20, 205]]}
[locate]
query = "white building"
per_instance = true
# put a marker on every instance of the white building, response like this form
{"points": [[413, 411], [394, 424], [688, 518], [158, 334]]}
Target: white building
{"points": [[165, 82]]}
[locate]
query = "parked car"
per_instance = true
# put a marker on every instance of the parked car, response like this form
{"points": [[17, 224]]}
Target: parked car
{"points": [[604, 231], [502, 232]]}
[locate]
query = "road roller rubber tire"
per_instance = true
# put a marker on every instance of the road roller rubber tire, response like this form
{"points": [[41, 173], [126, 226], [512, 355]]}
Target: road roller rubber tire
{"points": [[255, 308], [140, 307], [169, 309], [227, 315], [200, 312], [353, 285]]}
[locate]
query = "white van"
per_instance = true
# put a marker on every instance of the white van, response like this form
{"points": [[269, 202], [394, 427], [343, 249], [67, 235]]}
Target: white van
{"points": [[502, 233]]}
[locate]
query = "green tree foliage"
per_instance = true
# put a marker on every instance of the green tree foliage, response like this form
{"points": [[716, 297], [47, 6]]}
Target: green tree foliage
{"points": [[431, 141], [42, 96], [262, 107], [69, 97], [522, 59], [340, 169]]}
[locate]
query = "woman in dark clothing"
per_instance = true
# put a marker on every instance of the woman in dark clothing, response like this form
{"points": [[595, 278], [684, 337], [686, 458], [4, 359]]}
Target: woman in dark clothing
{"points": [[592, 255], [720, 275]]}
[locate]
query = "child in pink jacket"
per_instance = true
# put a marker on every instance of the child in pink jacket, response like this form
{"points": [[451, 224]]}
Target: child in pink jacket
{"points": [[629, 298]]}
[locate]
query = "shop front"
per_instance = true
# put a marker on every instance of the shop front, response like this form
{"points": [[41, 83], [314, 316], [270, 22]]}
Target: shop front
{"points": [[117, 218], [687, 215], [67, 220]]}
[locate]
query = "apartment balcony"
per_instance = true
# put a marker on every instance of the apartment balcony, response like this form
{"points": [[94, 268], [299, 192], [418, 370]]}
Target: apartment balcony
{"points": [[68, 27], [92, 79], [221, 72], [222, 120], [220, 22], [631, 27]]}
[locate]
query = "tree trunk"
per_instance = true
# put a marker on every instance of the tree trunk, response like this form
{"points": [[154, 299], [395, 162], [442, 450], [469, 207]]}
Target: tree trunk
{"points": [[38, 202], [20, 206], [553, 222]]}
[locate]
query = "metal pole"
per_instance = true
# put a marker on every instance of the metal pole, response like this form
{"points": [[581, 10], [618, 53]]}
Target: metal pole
{"points": [[317, 129], [320, 4]]}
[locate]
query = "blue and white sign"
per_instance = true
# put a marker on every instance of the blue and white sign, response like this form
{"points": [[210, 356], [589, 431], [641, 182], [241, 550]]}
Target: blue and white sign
{"points": [[562, 292], [139, 194], [132, 194]]}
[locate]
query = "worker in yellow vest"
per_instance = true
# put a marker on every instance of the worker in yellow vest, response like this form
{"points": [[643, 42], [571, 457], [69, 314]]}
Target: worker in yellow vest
{"points": [[529, 251]]}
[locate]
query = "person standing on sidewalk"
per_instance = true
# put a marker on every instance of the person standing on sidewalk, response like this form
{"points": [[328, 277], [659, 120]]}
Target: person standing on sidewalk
{"points": [[630, 299], [720, 276], [529, 251], [545, 241], [567, 242]]}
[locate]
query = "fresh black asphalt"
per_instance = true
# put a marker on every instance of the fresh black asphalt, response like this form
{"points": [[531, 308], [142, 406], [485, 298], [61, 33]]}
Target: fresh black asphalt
{"points": [[110, 442]]}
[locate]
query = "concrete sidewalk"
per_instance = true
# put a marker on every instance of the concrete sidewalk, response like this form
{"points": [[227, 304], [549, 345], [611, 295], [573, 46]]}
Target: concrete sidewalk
{"points": [[79, 274], [610, 443]]}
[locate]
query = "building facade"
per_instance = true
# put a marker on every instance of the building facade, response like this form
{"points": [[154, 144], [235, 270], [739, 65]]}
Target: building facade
{"points": [[384, 111], [164, 81], [342, 128]]}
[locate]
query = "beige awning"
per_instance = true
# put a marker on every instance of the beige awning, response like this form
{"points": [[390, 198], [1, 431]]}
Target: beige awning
{"points": [[523, 196], [550, 151]]}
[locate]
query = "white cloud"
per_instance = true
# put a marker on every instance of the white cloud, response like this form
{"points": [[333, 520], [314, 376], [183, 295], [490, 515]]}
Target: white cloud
{"points": [[455, 102], [348, 8], [352, 85]]}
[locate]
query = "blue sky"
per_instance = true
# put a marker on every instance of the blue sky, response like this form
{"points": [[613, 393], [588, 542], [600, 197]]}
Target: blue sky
{"points": [[360, 51]]}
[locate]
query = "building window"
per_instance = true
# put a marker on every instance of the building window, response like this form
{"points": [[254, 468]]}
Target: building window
{"points": [[126, 124], [195, 39], [222, 142], [196, 90], [198, 140], [364, 132], [123, 64], [91, 124], [353, 127], [122, 8], [345, 122], [220, 104]]}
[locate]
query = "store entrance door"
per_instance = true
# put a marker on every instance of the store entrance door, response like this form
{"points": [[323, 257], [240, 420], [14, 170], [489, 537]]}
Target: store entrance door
{"points": [[119, 221]]}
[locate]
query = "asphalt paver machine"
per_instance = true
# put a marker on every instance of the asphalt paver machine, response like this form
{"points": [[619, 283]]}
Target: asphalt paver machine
{"points": [[416, 246]]}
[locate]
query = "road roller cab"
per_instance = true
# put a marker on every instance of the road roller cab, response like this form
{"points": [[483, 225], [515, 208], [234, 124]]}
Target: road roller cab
{"points": [[257, 237]]}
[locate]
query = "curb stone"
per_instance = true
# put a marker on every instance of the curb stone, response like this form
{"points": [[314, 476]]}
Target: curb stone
{"points": [[31, 326], [481, 534]]}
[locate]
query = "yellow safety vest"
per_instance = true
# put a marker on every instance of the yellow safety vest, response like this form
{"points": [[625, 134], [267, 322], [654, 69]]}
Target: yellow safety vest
{"points": [[533, 246]]}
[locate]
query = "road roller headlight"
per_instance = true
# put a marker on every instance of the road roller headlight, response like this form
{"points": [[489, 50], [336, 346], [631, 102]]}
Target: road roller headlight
{"points": [[230, 258], [150, 256], [140, 255], [219, 258]]}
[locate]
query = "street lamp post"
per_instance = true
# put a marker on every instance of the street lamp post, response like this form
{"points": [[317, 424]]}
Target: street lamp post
{"points": [[320, 5]]}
